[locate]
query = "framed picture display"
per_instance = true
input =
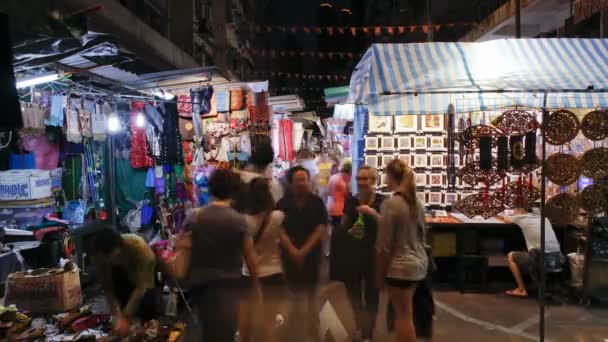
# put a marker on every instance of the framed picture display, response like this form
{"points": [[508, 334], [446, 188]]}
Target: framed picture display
{"points": [[435, 198], [406, 123], [421, 197], [420, 160], [371, 143], [437, 143], [437, 160], [457, 160], [371, 160], [379, 180], [432, 123], [450, 198], [420, 142], [386, 159], [407, 159], [436, 179], [404, 143], [387, 143], [380, 124], [420, 179]]}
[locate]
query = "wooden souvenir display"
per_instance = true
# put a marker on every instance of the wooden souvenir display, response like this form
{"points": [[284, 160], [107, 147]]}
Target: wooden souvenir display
{"points": [[516, 122], [519, 194], [593, 199], [470, 137], [561, 127], [595, 125], [594, 163], [562, 169], [472, 174], [562, 209], [482, 205]]}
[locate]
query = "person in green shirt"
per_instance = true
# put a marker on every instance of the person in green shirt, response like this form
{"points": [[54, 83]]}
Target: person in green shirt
{"points": [[126, 268]]}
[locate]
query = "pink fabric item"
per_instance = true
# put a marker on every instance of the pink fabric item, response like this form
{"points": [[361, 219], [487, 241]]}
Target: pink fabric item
{"points": [[90, 322], [286, 139], [46, 154], [139, 145], [337, 195]]}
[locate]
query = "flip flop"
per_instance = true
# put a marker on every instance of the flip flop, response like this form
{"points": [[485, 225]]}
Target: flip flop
{"points": [[512, 293]]}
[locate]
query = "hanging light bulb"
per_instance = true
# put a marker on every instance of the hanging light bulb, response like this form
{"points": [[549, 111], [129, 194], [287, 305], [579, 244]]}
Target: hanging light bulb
{"points": [[140, 121], [113, 123]]}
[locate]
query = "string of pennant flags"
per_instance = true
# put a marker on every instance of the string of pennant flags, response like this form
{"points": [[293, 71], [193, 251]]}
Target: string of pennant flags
{"points": [[293, 53], [289, 75], [354, 31]]}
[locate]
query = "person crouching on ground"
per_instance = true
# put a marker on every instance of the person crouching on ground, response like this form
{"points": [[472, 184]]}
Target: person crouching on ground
{"points": [[126, 268], [525, 262]]}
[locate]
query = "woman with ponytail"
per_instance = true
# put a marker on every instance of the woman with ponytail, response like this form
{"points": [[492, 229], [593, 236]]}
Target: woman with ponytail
{"points": [[401, 259]]}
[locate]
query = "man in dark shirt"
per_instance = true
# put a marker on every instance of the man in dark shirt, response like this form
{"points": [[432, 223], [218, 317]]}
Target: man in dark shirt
{"points": [[304, 227]]}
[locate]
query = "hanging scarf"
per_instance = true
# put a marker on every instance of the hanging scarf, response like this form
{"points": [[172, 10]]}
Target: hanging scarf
{"points": [[72, 123], [139, 146]]}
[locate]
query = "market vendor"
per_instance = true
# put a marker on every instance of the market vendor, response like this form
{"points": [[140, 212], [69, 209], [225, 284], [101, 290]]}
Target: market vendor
{"points": [[125, 266], [526, 261]]}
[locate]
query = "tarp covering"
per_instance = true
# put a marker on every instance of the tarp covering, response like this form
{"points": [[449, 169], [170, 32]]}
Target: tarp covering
{"points": [[396, 79]]}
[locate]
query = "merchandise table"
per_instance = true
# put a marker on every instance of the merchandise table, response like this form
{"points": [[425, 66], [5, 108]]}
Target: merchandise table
{"points": [[477, 244]]}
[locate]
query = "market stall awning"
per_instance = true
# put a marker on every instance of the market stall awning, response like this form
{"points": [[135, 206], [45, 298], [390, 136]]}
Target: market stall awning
{"points": [[396, 79]]}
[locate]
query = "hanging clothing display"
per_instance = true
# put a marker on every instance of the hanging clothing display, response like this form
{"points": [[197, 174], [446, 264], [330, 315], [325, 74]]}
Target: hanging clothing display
{"points": [[139, 146], [222, 101], [33, 117], [237, 101], [184, 106], [84, 119], [98, 122], [45, 153], [56, 115]]}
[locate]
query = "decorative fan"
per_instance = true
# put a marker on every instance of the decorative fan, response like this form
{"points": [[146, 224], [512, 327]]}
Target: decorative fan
{"points": [[593, 199], [519, 194], [516, 122], [472, 174], [563, 169], [561, 127], [482, 205], [562, 209], [595, 125], [594, 163], [469, 138]]}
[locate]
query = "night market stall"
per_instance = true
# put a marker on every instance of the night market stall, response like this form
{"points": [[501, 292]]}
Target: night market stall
{"points": [[491, 126]]}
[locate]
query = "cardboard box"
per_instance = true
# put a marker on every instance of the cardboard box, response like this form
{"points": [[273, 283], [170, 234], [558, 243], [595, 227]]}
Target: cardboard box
{"points": [[44, 290], [19, 185]]}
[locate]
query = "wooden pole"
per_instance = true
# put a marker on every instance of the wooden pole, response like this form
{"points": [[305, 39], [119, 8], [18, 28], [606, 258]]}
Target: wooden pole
{"points": [[517, 18]]}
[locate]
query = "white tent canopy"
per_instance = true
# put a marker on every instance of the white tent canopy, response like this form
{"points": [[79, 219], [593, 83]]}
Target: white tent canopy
{"points": [[397, 79]]}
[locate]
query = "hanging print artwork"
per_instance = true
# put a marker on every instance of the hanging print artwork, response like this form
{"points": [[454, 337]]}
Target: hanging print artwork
{"points": [[380, 124], [406, 123], [432, 123]]}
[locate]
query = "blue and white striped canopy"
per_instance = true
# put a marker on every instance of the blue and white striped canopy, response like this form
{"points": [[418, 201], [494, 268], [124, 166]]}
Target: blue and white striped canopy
{"points": [[424, 78]]}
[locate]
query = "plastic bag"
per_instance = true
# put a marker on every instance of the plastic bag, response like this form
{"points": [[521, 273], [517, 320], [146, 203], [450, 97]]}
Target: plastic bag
{"points": [[74, 211], [577, 265]]}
